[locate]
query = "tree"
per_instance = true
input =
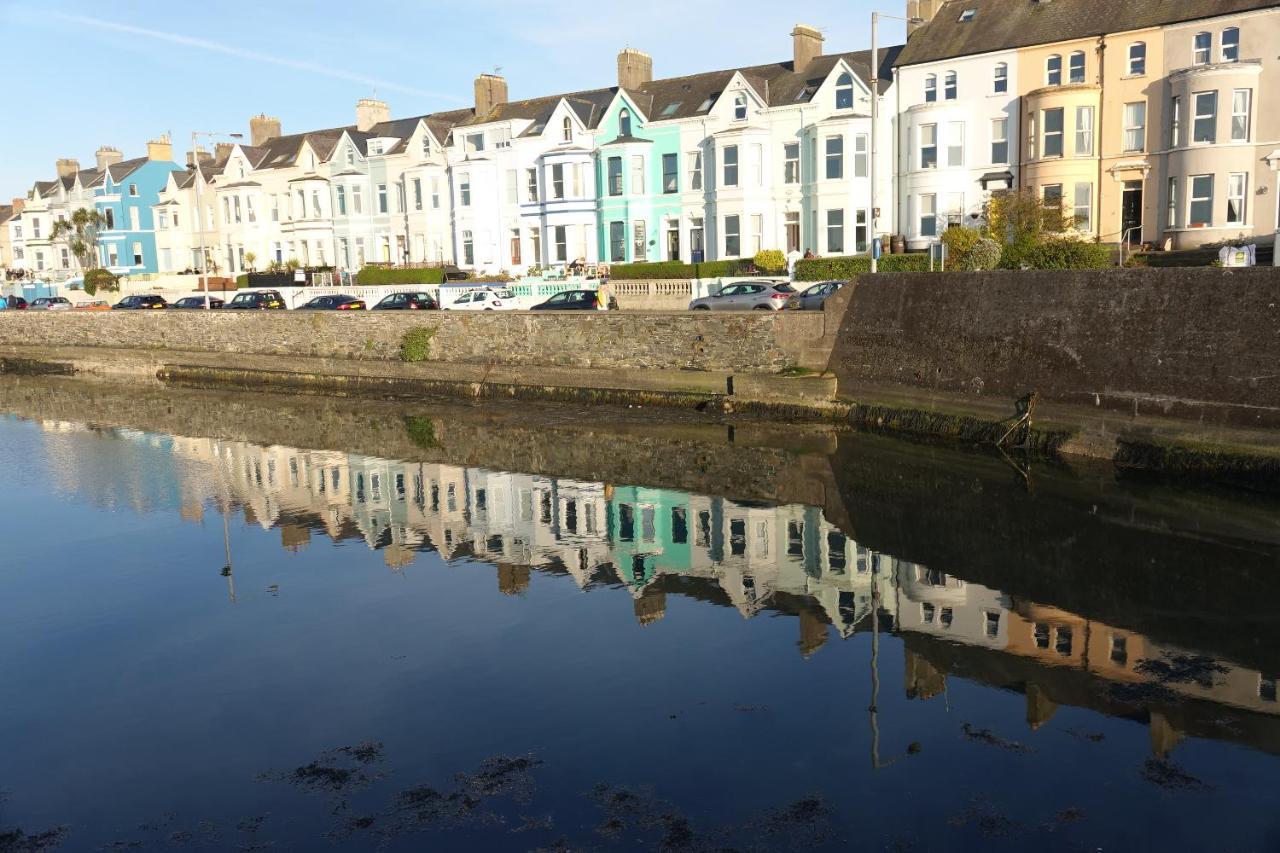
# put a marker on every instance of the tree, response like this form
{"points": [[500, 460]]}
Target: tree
{"points": [[249, 259], [80, 235], [1019, 216]]}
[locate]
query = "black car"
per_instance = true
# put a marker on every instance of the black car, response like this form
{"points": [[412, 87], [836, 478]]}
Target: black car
{"points": [[258, 300], [141, 303], [340, 302], [196, 302], [407, 302], [573, 300]]}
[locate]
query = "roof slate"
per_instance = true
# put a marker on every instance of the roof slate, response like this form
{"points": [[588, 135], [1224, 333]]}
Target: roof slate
{"points": [[1006, 24]]}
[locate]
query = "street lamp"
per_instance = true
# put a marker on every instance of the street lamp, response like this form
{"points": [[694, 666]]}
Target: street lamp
{"points": [[875, 117], [195, 165]]}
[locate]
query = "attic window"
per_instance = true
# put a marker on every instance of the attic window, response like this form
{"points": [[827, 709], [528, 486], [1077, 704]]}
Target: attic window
{"points": [[375, 147], [967, 15], [706, 105], [670, 109]]}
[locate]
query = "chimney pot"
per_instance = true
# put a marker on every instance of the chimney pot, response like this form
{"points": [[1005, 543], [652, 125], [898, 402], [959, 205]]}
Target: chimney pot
{"points": [[262, 129], [806, 44], [635, 69], [370, 112], [491, 91]]}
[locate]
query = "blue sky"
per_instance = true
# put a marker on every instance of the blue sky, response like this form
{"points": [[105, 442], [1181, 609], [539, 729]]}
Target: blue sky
{"points": [[85, 74]]}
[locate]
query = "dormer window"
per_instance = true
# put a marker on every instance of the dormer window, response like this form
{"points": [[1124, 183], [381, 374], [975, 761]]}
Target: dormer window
{"points": [[931, 88], [967, 15], [740, 107], [566, 130], [426, 145], [351, 156], [624, 122], [375, 146], [844, 91]]}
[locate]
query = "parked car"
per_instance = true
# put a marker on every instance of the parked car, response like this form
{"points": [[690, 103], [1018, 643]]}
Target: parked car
{"points": [[340, 302], [574, 300], [257, 300], [407, 302], [813, 297], [17, 303], [93, 305], [484, 300], [756, 294], [188, 302], [50, 303], [146, 302]]}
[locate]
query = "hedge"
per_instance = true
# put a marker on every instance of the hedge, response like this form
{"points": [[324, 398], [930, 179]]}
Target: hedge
{"points": [[825, 269], [675, 269], [242, 281], [395, 275]]}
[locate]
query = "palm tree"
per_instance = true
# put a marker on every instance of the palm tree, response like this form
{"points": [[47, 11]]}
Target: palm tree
{"points": [[80, 234]]}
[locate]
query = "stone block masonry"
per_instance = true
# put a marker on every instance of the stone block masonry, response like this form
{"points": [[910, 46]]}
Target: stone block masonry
{"points": [[749, 342]]}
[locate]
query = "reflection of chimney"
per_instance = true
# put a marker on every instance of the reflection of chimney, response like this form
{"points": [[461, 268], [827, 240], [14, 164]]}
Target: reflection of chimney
{"points": [[635, 68], [108, 156], [1164, 737], [650, 606], [370, 112], [67, 167], [263, 129], [813, 633], [397, 557], [806, 46], [160, 150], [1040, 708], [295, 537], [512, 580], [924, 681], [491, 91]]}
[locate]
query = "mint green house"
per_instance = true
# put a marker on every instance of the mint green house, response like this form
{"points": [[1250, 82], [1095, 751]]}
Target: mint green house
{"points": [[651, 531], [638, 175]]}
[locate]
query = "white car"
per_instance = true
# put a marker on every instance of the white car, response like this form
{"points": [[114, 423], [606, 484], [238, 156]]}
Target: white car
{"points": [[484, 300]]}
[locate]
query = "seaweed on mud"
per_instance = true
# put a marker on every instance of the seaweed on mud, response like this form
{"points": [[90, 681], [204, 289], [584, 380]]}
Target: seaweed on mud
{"points": [[17, 841], [989, 822], [800, 825], [425, 807], [990, 738], [1164, 773], [338, 771], [628, 810], [502, 777]]}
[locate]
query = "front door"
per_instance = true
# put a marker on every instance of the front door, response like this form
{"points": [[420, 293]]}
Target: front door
{"points": [[673, 241], [1131, 213]]}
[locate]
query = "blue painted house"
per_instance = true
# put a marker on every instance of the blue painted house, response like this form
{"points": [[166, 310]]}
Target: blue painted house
{"points": [[125, 193]]}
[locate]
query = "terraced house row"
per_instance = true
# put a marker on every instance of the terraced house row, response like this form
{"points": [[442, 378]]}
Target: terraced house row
{"points": [[1145, 119]]}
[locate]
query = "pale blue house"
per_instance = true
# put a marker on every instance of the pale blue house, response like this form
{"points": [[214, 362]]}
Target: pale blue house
{"points": [[124, 193]]}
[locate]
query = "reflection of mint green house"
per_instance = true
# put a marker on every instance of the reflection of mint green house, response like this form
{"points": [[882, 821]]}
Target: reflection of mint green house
{"points": [[651, 530], [638, 169]]}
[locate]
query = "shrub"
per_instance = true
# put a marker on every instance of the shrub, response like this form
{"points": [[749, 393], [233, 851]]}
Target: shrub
{"points": [[394, 275], [985, 255], [822, 269], [1055, 253], [771, 261], [422, 431], [242, 281], [415, 346], [100, 279], [676, 269]]}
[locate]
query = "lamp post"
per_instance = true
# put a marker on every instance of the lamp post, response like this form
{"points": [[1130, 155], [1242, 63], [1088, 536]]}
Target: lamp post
{"points": [[875, 119], [195, 165]]}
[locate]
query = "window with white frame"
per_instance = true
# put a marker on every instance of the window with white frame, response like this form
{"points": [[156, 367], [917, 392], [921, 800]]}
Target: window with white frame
{"points": [[1240, 100], [1237, 198], [560, 238], [953, 210], [162, 219], [999, 140], [133, 190], [615, 176], [930, 88], [928, 215], [1075, 67], [1051, 195], [1171, 209], [357, 203], [1137, 59], [1201, 47], [844, 91], [757, 160], [464, 189], [1204, 122], [351, 156], [730, 163], [1052, 121], [949, 86], [757, 233], [426, 145], [577, 171], [1231, 44], [670, 174], [1084, 131], [557, 181], [695, 170], [835, 158], [1053, 70], [566, 130], [835, 232], [732, 236], [435, 192], [740, 107], [531, 181], [860, 155], [1175, 121], [617, 242], [637, 175], [1200, 206], [791, 163], [249, 210], [1082, 209], [1000, 78], [1135, 126], [624, 122], [382, 197], [928, 146], [468, 249], [860, 231], [375, 146], [955, 143]]}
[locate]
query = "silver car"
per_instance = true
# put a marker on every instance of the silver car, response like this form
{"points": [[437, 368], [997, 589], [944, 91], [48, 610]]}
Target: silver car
{"points": [[813, 297], [50, 303], [753, 295]]}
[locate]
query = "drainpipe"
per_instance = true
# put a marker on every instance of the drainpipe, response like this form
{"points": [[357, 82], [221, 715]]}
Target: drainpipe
{"points": [[1102, 93]]}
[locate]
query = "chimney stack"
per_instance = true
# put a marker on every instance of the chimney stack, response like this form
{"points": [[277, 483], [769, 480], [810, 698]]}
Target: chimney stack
{"points": [[635, 68], [67, 167], [160, 150], [262, 129], [922, 9], [491, 91], [222, 151], [107, 156], [370, 112], [806, 43], [198, 154], [18, 205]]}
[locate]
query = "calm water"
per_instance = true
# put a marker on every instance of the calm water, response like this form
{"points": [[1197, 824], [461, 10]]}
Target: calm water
{"points": [[229, 643]]}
